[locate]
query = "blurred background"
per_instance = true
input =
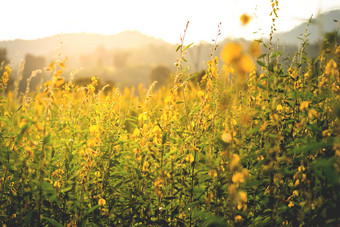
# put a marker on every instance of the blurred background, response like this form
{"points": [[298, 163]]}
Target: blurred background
{"points": [[126, 43]]}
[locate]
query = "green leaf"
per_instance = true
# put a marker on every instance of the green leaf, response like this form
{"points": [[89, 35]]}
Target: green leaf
{"points": [[179, 47], [276, 54], [67, 189], [91, 210], [261, 63], [196, 109], [262, 56], [47, 139], [190, 205], [53, 222], [185, 48], [261, 86], [192, 77]]}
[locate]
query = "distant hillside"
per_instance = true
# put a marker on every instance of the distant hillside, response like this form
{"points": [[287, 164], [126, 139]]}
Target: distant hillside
{"points": [[74, 44], [320, 25]]}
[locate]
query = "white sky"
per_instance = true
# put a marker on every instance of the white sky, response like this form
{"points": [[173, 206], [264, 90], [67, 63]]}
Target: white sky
{"points": [[164, 19]]}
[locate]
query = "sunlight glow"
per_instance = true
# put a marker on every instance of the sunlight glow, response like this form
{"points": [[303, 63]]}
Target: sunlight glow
{"points": [[161, 19]]}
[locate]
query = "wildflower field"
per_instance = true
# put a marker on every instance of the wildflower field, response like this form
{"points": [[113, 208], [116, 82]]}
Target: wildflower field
{"points": [[238, 147]]}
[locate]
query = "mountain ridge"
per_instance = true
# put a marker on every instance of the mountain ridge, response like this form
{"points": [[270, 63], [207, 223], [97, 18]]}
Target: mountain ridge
{"points": [[75, 44]]}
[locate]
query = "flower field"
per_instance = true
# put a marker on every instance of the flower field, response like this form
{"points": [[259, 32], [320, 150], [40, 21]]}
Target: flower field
{"points": [[239, 147]]}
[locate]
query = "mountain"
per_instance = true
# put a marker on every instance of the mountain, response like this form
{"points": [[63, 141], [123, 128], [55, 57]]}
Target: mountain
{"points": [[320, 25], [75, 44]]}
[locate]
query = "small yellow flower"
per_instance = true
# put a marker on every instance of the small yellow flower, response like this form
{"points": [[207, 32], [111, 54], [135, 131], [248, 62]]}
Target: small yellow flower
{"points": [[95, 129], [101, 202], [297, 182], [291, 204], [246, 64], [304, 105], [97, 174], [237, 218], [94, 81], [200, 94], [142, 117], [226, 137], [190, 158], [326, 133], [234, 162], [232, 190], [301, 168], [238, 178], [57, 184], [255, 49], [58, 82], [312, 114], [212, 173], [244, 19], [159, 182], [331, 68], [243, 196], [279, 108], [231, 52], [295, 193], [91, 88]]}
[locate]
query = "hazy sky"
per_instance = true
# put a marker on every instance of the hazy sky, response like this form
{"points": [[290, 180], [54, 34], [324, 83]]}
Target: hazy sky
{"points": [[164, 19]]}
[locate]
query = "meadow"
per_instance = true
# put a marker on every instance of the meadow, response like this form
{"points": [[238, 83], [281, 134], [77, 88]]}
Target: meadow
{"points": [[254, 142]]}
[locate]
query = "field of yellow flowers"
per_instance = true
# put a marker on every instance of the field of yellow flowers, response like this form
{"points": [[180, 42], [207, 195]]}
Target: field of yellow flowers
{"points": [[239, 147]]}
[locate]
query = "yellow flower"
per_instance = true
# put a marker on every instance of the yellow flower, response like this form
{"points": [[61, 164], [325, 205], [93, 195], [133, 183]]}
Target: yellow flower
{"points": [[295, 193], [301, 168], [95, 129], [231, 52], [255, 49], [232, 190], [244, 19], [234, 162], [159, 182], [331, 68], [142, 117], [57, 184], [304, 105], [212, 173], [297, 182], [337, 51], [91, 89], [312, 114], [58, 82], [246, 64], [245, 172], [264, 126], [8, 69], [226, 137], [291, 204], [238, 178], [243, 196], [101, 202], [237, 218], [97, 174], [190, 158], [200, 94], [279, 108], [94, 81]]}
